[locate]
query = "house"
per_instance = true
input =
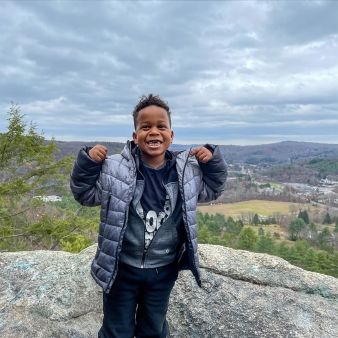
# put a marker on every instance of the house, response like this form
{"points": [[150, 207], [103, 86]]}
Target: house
{"points": [[51, 198]]}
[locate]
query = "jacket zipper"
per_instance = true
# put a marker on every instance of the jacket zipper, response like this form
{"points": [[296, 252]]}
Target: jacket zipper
{"points": [[144, 250], [108, 204], [185, 205]]}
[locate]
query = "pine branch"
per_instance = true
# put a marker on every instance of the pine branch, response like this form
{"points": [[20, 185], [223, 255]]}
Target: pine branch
{"points": [[10, 216]]}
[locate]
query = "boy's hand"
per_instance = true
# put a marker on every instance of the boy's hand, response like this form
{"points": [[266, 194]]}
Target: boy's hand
{"points": [[98, 153], [202, 154]]}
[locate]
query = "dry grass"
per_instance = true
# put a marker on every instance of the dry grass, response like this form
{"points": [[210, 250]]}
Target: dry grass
{"points": [[264, 208], [272, 228]]}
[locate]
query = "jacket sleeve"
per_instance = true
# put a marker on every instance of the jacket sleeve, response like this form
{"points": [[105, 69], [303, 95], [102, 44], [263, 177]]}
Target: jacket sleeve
{"points": [[85, 179], [214, 176]]}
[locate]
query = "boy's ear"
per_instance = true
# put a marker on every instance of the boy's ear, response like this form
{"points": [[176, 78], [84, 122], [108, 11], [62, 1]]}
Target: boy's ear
{"points": [[134, 135], [172, 136]]}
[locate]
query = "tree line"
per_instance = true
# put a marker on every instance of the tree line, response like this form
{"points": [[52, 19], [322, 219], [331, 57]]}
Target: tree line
{"points": [[236, 192], [307, 247]]}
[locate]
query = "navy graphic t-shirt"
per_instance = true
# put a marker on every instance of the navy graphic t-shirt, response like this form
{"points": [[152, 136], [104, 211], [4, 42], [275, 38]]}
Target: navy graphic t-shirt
{"points": [[154, 207]]}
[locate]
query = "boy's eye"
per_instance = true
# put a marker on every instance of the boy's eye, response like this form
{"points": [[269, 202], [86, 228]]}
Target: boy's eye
{"points": [[161, 127], [145, 127]]}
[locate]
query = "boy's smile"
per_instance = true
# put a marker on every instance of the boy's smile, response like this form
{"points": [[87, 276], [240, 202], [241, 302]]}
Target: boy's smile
{"points": [[153, 134]]}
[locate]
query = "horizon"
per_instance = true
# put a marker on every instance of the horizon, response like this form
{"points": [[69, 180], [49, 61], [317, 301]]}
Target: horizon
{"points": [[195, 144]]}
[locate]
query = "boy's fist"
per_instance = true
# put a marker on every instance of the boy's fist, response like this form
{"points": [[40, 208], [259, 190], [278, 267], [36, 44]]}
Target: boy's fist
{"points": [[202, 154], [98, 153]]}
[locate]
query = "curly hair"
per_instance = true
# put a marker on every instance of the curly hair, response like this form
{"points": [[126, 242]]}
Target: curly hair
{"points": [[151, 100]]}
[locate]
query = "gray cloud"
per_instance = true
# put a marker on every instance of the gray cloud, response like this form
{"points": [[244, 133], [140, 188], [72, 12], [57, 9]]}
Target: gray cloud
{"points": [[243, 72]]}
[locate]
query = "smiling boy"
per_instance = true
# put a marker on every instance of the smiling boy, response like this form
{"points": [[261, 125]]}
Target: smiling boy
{"points": [[148, 232]]}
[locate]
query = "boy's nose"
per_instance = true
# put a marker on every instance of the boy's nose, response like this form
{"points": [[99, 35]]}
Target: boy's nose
{"points": [[154, 131]]}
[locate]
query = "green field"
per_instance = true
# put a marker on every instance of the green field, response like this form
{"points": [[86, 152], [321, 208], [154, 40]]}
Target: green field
{"points": [[264, 208], [275, 185]]}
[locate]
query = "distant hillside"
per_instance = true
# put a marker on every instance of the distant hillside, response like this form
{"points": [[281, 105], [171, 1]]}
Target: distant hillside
{"points": [[73, 147], [279, 153], [325, 165], [275, 153]]}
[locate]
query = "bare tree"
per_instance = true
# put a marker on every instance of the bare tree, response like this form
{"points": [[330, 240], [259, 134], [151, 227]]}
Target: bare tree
{"points": [[293, 209], [251, 215], [300, 206]]}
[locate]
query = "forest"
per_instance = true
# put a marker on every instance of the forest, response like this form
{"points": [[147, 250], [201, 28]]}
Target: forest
{"points": [[304, 245]]}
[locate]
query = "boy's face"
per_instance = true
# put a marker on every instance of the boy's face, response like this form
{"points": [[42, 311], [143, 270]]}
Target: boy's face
{"points": [[153, 134]]}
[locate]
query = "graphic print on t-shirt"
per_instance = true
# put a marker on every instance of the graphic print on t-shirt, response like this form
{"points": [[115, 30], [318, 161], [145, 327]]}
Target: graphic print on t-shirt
{"points": [[153, 221]]}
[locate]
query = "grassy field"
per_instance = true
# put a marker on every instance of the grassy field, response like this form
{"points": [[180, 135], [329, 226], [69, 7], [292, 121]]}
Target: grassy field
{"points": [[264, 208], [275, 185]]}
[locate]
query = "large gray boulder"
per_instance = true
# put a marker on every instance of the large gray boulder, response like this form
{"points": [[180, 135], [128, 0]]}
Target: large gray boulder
{"points": [[45, 294]]}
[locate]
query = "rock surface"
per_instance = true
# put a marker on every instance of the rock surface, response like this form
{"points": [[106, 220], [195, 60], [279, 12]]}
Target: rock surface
{"points": [[46, 294]]}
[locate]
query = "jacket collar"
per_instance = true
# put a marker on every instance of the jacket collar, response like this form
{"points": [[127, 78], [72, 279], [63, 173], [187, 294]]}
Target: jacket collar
{"points": [[127, 150], [131, 149]]}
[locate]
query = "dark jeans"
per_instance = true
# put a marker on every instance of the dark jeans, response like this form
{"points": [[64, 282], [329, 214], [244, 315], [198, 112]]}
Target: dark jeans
{"points": [[138, 302]]}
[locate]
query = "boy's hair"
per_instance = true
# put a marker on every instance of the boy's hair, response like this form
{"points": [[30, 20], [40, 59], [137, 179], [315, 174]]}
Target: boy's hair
{"points": [[151, 100]]}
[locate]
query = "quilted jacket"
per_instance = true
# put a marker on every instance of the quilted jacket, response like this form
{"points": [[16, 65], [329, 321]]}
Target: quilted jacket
{"points": [[111, 184]]}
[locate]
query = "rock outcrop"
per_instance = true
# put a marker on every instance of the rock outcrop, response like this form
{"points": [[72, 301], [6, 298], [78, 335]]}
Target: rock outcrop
{"points": [[46, 294]]}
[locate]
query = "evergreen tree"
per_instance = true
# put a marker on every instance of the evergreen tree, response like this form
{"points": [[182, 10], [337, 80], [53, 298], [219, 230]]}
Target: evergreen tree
{"points": [[247, 239], [28, 165], [313, 226], [300, 215], [228, 240], [334, 263], [295, 227], [260, 232], [310, 260], [206, 217], [294, 257], [265, 244], [301, 245], [283, 251], [213, 227], [220, 220], [200, 219], [214, 240], [203, 235], [325, 247], [233, 227], [241, 223], [323, 262], [324, 236], [239, 226], [255, 220], [336, 227], [327, 219], [304, 216]]}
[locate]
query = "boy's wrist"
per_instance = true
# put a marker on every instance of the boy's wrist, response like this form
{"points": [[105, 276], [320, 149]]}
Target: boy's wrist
{"points": [[85, 161], [210, 147]]}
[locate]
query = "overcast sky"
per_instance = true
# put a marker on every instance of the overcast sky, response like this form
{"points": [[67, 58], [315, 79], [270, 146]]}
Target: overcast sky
{"points": [[233, 72]]}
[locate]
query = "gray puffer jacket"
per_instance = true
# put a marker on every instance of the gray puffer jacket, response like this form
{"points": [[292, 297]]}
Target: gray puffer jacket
{"points": [[112, 183]]}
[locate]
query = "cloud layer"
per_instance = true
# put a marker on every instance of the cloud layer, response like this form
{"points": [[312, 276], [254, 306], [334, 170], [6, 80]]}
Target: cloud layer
{"points": [[233, 72]]}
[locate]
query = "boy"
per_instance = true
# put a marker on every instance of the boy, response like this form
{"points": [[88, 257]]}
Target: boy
{"points": [[148, 232]]}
